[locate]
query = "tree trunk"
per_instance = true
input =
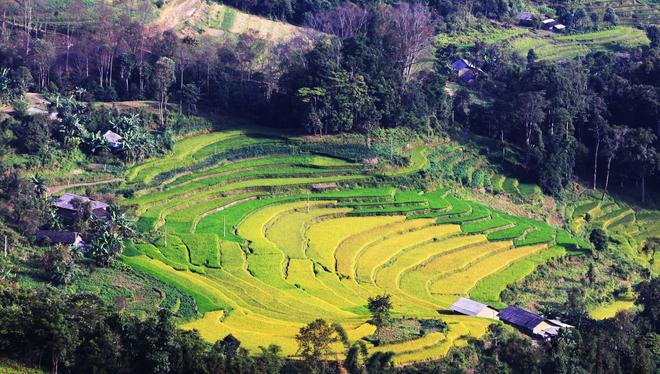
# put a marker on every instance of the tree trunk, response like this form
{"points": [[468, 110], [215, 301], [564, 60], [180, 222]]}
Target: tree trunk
{"points": [[596, 163], [643, 189], [68, 46], [607, 177], [502, 141], [528, 140]]}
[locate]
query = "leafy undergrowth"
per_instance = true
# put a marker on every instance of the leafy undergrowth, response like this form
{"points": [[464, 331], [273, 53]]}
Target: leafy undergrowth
{"points": [[401, 330]]}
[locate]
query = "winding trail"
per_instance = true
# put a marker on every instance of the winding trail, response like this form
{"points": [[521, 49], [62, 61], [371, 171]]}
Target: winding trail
{"points": [[55, 189]]}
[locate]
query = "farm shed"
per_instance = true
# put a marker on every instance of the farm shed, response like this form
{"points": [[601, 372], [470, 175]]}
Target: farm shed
{"points": [[525, 18], [531, 323], [524, 319], [465, 70], [473, 308], [60, 237], [113, 139], [549, 23], [68, 204], [558, 27]]}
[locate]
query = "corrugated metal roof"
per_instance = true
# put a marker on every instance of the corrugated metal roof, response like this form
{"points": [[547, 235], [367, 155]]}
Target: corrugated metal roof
{"points": [[520, 317], [460, 64], [66, 202], [66, 237], [468, 307], [113, 138]]}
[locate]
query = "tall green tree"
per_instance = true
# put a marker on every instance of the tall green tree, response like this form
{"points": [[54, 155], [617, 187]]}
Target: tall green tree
{"points": [[163, 79]]}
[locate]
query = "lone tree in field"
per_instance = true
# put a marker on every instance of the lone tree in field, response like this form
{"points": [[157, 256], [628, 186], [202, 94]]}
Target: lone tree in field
{"points": [[599, 239], [315, 342], [380, 307], [163, 79]]}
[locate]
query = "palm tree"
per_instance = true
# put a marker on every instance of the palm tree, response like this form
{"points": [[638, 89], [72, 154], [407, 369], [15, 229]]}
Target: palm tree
{"points": [[97, 142], [40, 186], [119, 222], [105, 247]]}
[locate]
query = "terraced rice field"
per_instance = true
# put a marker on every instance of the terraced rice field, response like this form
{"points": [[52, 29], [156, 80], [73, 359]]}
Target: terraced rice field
{"points": [[636, 227], [562, 47], [263, 248], [225, 18], [471, 168]]}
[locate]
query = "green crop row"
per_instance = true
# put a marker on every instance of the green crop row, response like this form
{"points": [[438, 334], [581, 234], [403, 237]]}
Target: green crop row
{"points": [[477, 212], [488, 290], [481, 226], [542, 233], [584, 208], [393, 210]]}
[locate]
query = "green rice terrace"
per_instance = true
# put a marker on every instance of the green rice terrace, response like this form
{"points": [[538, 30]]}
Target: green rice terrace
{"points": [[268, 233], [560, 47]]}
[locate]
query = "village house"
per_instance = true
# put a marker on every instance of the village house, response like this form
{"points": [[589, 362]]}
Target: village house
{"points": [[113, 139], [60, 237], [553, 25], [531, 323], [526, 18], [68, 206], [470, 307], [465, 70]]}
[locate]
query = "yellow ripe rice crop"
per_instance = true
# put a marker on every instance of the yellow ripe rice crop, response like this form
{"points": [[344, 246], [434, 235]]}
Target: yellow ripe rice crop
{"points": [[460, 259], [348, 250], [254, 226], [415, 281], [459, 333], [287, 231], [300, 272], [425, 341], [370, 258], [460, 283], [387, 277], [325, 236], [284, 262]]}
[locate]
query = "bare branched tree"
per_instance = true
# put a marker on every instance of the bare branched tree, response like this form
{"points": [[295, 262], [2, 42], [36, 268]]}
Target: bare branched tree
{"points": [[412, 27], [344, 21]]}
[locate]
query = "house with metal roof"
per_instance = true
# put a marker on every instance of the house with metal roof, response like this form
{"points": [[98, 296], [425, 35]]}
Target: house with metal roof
{"points": [[465, 70], [60, 237], [525, 18], [470, 307], [532, 323], [113, 139], [68, 206]]}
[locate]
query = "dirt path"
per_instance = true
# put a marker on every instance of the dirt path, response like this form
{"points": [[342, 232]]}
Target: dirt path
{"points": [[174, 14], [55, 189]]}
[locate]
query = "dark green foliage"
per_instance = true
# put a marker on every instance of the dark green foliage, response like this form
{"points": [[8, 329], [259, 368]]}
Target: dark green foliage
{"points": [[23, 204], [59, 264], [380, 307], [599, 239], [79, 333]]}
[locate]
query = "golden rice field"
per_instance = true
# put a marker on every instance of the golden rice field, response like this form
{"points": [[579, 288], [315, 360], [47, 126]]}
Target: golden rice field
{"points": [[239, 224]]}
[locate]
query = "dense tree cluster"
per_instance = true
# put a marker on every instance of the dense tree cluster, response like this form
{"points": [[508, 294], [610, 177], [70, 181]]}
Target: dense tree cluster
{"points": [[368, 70], [595, 117], [78, 333]]}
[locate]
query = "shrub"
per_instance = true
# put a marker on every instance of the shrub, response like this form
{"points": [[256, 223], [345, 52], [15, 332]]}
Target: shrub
{"points": [[59, 265], [599, 239]]}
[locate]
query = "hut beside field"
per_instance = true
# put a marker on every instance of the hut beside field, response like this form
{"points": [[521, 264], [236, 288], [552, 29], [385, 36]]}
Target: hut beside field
{"points": [[526, 18], [60, 237], [68, 206], [531, 323], [113, 139], [470, 307]]}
